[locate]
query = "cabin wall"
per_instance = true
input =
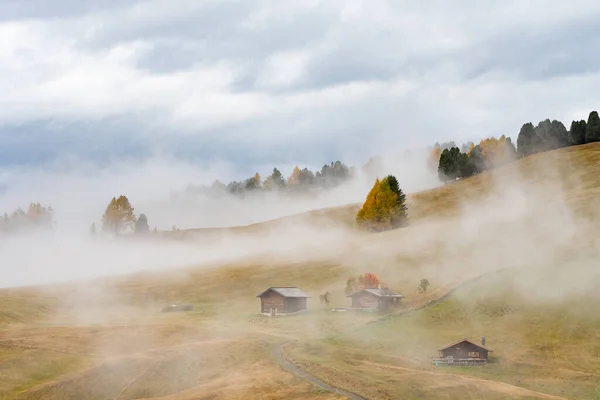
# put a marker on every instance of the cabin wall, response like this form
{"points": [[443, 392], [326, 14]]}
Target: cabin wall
{"points": [[272, 300], [294, 304], [364, 300], [384, 303], [464, 350]]}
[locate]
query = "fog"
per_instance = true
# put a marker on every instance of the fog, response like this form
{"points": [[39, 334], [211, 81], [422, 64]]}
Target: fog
{"points": [[79, 193]]}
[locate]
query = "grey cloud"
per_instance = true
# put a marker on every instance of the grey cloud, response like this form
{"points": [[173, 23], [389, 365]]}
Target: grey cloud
{"points": [[563, 49], [447, 54], [42, 9]]}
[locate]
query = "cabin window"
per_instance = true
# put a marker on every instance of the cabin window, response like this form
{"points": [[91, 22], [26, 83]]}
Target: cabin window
{"points": [[473, 354]]}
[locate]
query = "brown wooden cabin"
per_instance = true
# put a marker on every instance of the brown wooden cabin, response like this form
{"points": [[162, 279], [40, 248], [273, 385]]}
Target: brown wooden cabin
{"points": [[282, 300], [463, 352], [375, 299]]}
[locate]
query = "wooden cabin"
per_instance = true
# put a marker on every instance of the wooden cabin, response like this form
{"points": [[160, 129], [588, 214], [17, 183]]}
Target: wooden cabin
{"points": [[375, 299], [282, 301], [463, 352]]}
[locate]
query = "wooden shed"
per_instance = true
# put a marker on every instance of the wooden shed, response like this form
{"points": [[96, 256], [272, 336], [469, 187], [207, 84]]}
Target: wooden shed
{"points": [[282, 300], [375, 299], [463, 352]]}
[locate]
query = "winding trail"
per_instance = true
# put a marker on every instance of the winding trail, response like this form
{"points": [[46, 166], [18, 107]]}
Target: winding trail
{"points": [[286, 364]]}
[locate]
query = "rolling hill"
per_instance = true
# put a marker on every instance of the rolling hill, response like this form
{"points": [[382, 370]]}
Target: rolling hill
{"points": [[104, 338]]}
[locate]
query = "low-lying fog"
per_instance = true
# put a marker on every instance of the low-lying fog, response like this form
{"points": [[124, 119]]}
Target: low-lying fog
{"points": [[79, 194]]}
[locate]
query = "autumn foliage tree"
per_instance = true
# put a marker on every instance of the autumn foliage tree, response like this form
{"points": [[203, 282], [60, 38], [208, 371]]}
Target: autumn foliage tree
{"points": [[385, 206], [360, 282], [118, 215], [36, 217]]}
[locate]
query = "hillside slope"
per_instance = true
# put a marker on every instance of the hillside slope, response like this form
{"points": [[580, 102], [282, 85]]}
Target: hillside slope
{"points": [[106, 337]]}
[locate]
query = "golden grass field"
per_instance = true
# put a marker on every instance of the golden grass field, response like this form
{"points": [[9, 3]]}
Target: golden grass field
{"points": [[106, 339]]}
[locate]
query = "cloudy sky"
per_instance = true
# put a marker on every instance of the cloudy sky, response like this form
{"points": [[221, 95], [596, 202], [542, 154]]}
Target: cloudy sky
{"points": [[282, 82]]}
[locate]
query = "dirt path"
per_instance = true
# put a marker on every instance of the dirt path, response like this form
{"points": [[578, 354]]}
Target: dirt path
{"points": [[286, 364]]}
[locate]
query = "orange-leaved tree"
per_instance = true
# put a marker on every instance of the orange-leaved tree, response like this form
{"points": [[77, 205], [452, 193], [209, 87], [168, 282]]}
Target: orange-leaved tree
{"points": [[360, 282], [385, 206], [118, 215]]}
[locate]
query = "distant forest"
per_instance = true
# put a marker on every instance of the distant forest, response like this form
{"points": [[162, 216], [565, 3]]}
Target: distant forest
{"points": [[301, 180], [36, 217], [454, 162]]}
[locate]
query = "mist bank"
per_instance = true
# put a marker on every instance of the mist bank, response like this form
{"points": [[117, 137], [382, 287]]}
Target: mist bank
{"points": [[79, 192]]}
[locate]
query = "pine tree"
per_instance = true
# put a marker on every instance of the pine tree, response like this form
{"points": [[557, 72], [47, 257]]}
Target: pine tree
{"points": [[118, 215], [275, 180], [526, 140], [592, 131], [141, 225], [577, 132]]}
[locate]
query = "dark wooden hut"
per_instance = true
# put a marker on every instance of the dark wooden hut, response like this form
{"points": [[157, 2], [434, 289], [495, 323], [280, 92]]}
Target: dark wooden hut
{"points": [[282, 300], [463, 352], [375, 299]]}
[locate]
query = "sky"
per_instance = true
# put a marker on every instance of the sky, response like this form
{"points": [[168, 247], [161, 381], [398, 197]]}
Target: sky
{"points": [[255, 83]]}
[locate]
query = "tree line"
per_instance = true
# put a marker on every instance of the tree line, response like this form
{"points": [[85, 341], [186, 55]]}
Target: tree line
{"points": [[37, 216], [300, 180], [550, 135], [454, 162]]}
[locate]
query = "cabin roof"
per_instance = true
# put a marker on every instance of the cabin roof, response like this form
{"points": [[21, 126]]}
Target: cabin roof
{"points": [[290, 291], [379, 293], [465, 340]]}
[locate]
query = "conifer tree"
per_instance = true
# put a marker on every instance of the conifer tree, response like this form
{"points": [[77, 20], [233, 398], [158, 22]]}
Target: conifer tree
{"points": [[577, 132], [141, 225], [592, 131]]}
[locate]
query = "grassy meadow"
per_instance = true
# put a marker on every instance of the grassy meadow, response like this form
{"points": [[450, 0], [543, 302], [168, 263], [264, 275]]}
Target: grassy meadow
{"points": [[105, 338]]}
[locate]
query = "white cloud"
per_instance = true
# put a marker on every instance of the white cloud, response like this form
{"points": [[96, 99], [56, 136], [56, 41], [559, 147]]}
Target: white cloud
{"points": [[283, 69], [307, 69]]}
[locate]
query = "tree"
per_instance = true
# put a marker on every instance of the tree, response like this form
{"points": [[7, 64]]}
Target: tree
{"points": [[141, 225], [218, 186], [275, 180], [550, 135], [384, 207], [497, 152], [577, 133], [360, 282], [39, 215], [301, 178], [253, 183], [294, 178], [36, 217], [592, 131], [333, 174], [423, 286], [526, 140], [118, 215], [400, 217], [434, 157], [547, 135], [454, 164]]}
